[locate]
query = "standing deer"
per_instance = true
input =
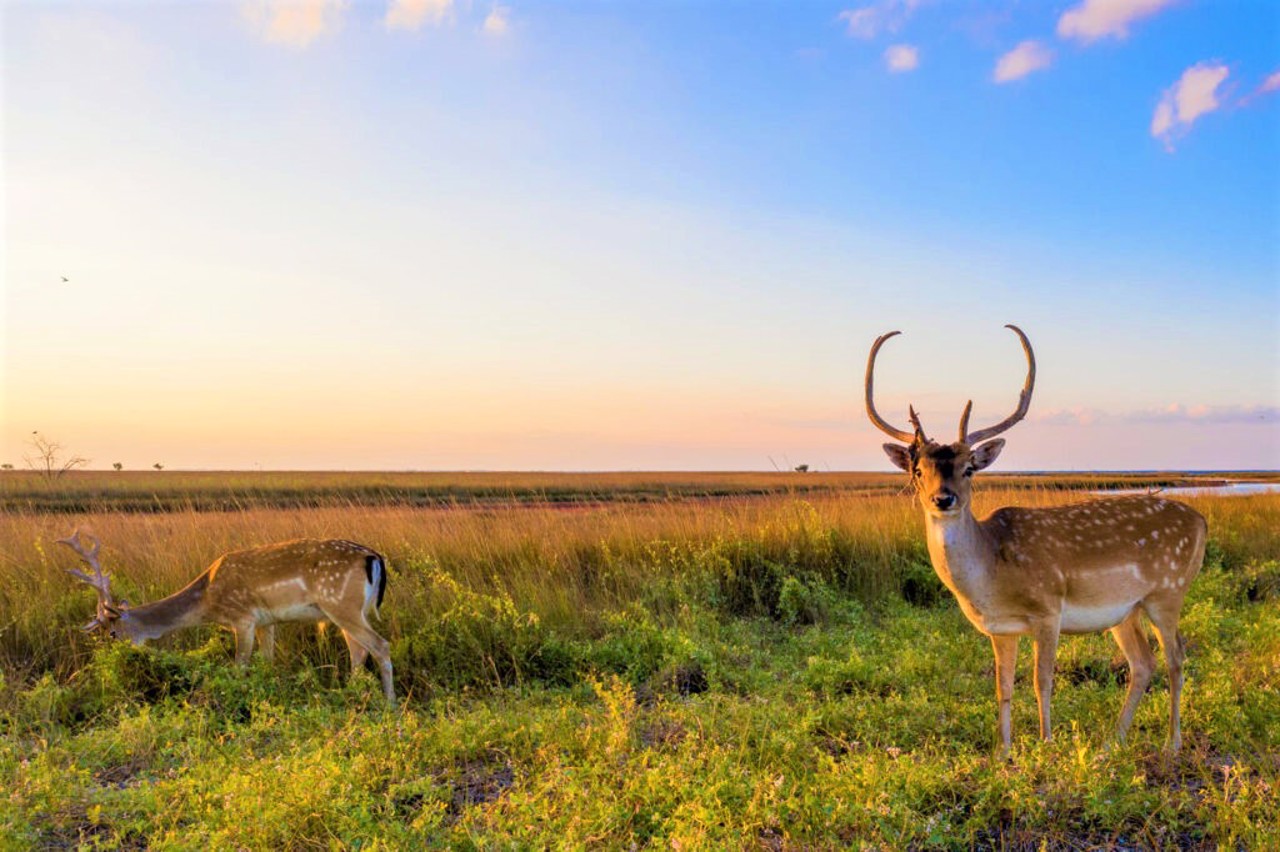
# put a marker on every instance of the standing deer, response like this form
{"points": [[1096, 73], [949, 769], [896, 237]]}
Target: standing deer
{"points": [[250, 591], [1080, 568]]}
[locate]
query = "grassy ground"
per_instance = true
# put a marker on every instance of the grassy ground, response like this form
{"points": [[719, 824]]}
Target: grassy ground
{"points": [[180, 491], [775, 671]]}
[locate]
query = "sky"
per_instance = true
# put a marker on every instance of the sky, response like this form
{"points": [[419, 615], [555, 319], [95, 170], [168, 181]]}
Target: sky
{"points": [[626, 235]]}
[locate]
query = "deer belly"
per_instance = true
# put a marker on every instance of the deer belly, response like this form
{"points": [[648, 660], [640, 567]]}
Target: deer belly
{"points": [[291, 612], [1091, 618]]}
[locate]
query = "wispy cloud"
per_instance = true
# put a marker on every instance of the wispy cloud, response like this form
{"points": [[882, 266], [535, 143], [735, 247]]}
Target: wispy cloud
{"points": [[1269, 84], [1178, 413], [498, 21], [900, 58], [1027, 57], [1095, 19], [1172, 413], [412, 14], [295, 23], [887, 16], [1194, 95], [1077, 416]]}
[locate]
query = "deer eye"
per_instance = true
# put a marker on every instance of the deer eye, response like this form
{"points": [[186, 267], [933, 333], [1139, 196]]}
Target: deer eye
{"points": [[968, 471]]}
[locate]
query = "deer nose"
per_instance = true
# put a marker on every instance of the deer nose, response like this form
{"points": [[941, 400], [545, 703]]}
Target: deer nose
{"points": [[944, 501]]}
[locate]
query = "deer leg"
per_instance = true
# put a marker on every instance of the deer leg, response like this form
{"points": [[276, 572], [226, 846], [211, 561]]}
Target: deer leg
{"points": [[374, 644], [244, 642], [1133, 644], [1046, 651], [1006, 653], [267, 639], [1165, 621], [357, 651]]}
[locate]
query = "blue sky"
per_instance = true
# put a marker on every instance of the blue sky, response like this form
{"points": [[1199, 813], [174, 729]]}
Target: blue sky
{"points": [[638, 235]]}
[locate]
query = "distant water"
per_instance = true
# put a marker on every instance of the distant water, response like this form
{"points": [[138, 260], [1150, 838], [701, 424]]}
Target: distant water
{"points": [[1231, 489]]}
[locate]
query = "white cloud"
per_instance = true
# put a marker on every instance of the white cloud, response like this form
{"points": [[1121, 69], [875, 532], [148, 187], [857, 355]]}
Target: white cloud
{"points": [[412, 14], [902, 57], [1194, 95], [1271, 83], [1095, 19], [1172, 413], [1029, 56], [887, 16], [498, 21], [863, 23], [1178, 413], [1076, 416], [295, 23]]}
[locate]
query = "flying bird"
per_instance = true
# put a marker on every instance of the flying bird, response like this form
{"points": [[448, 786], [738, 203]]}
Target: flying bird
{"points": [[65, 279]]}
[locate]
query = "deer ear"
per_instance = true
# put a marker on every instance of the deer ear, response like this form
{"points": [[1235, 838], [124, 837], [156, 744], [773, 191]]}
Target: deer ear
{"points": [[899, 455], [985, 454]]}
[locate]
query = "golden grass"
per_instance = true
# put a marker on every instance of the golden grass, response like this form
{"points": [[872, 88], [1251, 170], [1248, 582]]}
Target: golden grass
{"points": [[869, 725], [562, 562]]}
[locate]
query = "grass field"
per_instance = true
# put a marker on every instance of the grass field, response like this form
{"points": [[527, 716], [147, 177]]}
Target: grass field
{"points": [[177, 491], [610, 661]]}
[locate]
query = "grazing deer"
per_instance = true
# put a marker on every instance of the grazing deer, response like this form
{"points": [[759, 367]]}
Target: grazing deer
{"points": [[250, 590], [1079, 568]]}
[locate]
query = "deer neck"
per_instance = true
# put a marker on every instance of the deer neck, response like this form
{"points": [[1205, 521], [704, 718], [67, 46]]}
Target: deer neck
{"points": [[184, 608], [961, 551]]}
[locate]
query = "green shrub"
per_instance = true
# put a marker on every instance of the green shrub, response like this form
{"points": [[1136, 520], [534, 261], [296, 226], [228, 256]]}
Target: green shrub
{"points": [[633, 645], [801, 602], [479, 640], [918, 584]]}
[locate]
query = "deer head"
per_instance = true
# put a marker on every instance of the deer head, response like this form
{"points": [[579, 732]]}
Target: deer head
{"points": [[941, 473], [108, 611]]}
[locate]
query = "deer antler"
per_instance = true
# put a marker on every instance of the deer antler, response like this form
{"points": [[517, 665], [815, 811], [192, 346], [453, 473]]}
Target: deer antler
{"points": [[100, 581], [915, 424], [903, 436], [1024, 400]]}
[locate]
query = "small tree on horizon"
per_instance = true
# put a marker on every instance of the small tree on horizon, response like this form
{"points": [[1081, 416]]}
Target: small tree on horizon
{"points": [[46, 458], [158, 466], [117, 465]]}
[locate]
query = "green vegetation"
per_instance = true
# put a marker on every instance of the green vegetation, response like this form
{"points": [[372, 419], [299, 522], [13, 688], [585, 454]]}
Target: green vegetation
{"points": [[779, 670]]}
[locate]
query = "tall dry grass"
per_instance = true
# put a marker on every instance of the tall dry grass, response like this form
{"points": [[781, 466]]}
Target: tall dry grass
{"points": [[563, 564], [568, 567]]}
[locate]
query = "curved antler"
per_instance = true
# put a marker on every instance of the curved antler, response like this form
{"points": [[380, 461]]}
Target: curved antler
{"points": [[1024, 400], [901, 435], [100, 581]]}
